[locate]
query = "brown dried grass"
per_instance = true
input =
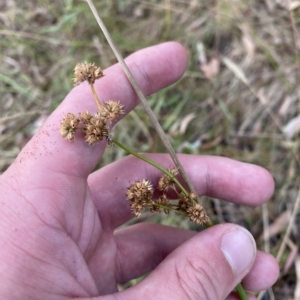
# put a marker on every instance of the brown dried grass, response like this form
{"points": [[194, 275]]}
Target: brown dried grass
{"points": [[242, 83]]}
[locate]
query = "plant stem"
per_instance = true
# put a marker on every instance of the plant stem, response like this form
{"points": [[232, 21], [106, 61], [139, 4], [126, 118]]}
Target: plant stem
{"points": [[96, 97], [170, 209], [240, 290], [141, 96], [153, 163]]}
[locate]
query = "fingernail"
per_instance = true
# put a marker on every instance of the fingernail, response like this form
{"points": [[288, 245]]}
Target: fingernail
{"points": [[238, 246]]}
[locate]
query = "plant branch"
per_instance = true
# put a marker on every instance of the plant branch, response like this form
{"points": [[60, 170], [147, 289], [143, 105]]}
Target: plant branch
{"points": [[96, 97], [142, 98], [153, 163]]}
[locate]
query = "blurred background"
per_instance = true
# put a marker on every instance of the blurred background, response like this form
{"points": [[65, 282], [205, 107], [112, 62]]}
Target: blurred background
{"points": [[239, 97]]}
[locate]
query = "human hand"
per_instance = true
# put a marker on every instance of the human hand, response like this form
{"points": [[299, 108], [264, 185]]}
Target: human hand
{"points": [[58, 237]]}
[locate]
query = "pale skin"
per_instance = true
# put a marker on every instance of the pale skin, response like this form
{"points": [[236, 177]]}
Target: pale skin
{"points": [[58, 221]]}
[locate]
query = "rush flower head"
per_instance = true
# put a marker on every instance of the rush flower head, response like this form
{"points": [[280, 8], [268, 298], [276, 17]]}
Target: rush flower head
{"points": [[197, 214], [86, 71], [140, 194], [183, 203], [183, 197], [137, 208], [85, 117], [140, 190], [112, 109], [166, 181], [96, 129], [68, 127]]}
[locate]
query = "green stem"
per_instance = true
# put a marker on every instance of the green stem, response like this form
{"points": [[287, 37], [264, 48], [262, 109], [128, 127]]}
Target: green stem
{"points": [[240, 290], [153, 163], [170, 209]]}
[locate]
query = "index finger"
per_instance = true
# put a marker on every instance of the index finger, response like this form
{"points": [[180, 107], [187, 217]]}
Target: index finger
{"points": [[153, 68]]}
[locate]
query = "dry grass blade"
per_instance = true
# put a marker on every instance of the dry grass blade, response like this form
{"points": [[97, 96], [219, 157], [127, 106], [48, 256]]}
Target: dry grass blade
{"points": [[238, 72], [141, 96], [289, 228], [297, 289], [265, 215], [33, 36], [286, 235]]}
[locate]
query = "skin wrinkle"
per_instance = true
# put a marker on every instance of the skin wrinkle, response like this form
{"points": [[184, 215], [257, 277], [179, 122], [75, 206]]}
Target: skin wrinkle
{"points": [[69, 240], [119, 261], [108, 259], [58, 221], [180, 281], [34, 210], [105, 216], [190, 268], [19, 191], [153, 253], [151, 239], [183, 283], [89, 251], [42, 262], [74, 172], [84, 246], [41, 219], [207, 275]]}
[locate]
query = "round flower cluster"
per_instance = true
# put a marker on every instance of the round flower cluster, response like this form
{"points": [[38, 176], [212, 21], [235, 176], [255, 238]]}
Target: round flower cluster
{"points": [[140, 194], [95, 127], [86, 72]]}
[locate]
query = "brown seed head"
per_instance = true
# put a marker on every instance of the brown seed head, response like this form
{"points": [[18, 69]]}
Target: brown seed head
{"points": [[113, 109], [163, 199], [197, 214], [85, 117], [165, 181], [86, 71], [68, 127], [153, 206], [140, 191], [182, 205], [183, 197], [137, 208], [96, 129]]}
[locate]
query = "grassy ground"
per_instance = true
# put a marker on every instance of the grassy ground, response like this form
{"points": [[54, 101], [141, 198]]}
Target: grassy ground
{"points": [[239, 97]]}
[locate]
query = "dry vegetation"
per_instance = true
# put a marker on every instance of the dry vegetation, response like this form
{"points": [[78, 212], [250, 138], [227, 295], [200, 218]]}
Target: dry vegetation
{"points": [[239, 97]]}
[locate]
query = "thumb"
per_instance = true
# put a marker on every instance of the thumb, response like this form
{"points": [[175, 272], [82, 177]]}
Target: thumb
{"points": [[208, 266]]}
